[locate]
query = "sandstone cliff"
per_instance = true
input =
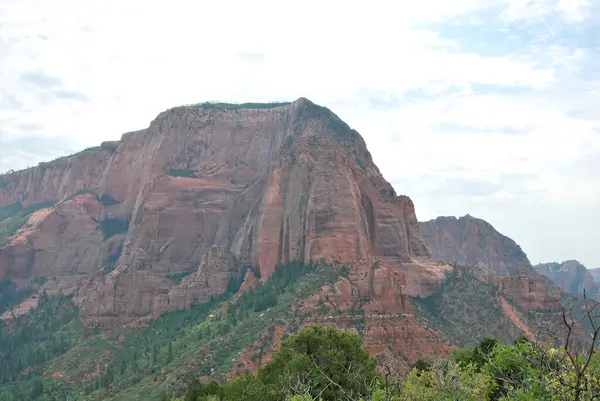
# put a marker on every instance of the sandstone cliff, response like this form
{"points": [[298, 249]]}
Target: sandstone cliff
{"points": [[210, 198], [471, 241], [571, 276], [206, 191]]}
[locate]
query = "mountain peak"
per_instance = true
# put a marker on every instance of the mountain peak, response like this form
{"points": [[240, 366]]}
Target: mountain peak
{"points": [[265, 183], [571, 276], [471, 241]]}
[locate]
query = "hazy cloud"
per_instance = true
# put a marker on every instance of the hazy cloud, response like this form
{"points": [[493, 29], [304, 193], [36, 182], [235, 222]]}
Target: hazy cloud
{"points": [[66, 94], [467, 187], [9, 102], [41, 80], [458, 128], [481, 107], [253, 57]]}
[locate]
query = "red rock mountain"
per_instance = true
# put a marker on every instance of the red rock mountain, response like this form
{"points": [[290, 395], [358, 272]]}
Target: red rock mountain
{"points": [[471, 241], [168, 216], [571, 276], [206, 191]]}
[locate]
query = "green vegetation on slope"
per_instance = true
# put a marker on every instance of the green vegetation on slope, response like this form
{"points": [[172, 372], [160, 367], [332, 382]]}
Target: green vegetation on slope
{"points": [[10, 295], [322, 363], [181, 173], [28, 342], [168, 353], [112, 226], [306, 364], [10, 210], [107, 200], [237, 106], [14, 216], [207, 339], [464, 308]]}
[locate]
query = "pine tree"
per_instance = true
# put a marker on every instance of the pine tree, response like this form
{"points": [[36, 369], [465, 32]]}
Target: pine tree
{"points": [[170, 353], [134, 362]]}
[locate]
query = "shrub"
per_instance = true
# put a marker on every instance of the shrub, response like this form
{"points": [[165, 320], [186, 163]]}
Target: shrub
{"points": [[113, 225], [107, 200]]}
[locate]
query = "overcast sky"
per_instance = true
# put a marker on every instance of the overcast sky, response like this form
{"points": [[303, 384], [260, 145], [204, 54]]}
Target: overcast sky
{"points": [[486, 107]]}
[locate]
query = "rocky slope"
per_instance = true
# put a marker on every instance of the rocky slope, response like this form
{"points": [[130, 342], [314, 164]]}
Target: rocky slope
{"points": [[162, 228], [254, 186], [595, 274], [469, 241], [571, 276], [473, 242]]}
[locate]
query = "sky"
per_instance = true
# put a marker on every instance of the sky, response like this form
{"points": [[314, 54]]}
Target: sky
{"points": [[485, 107]]}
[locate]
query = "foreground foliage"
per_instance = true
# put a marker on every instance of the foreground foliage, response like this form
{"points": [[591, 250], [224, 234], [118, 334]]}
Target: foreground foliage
{"points": [[524, 371], [321, 363]]}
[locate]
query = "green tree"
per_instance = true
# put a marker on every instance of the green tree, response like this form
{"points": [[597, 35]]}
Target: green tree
{"points": [[198, 391], [248, 388], [170, 353], [37, 388], [322, 361], [445, 380]]}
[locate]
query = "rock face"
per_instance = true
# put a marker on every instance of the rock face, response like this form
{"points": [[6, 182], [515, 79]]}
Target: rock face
{"points": [[63, 237], [595, 274], [217, 270], [471, 241], [530, 291], [208, 190], [374, 298], [571, 276]]}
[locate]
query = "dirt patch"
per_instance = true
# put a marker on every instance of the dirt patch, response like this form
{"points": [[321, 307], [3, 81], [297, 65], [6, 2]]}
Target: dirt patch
{"points": [[513, 315]]}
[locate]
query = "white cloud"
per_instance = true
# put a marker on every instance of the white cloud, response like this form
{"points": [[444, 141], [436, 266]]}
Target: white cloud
{"points": [[570, 10], [506, 132]]}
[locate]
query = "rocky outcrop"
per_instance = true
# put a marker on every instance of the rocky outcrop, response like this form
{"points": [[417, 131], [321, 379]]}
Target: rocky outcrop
{"points": [[530, 292], [212, 190], [217, 271], [58, 179], [471, 241], [571, 276], [595, 274], [57, 242], [374, 300]]}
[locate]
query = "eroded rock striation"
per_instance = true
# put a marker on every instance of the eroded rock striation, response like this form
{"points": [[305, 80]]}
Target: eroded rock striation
{"points": [[471, 241], [205, 191]]}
